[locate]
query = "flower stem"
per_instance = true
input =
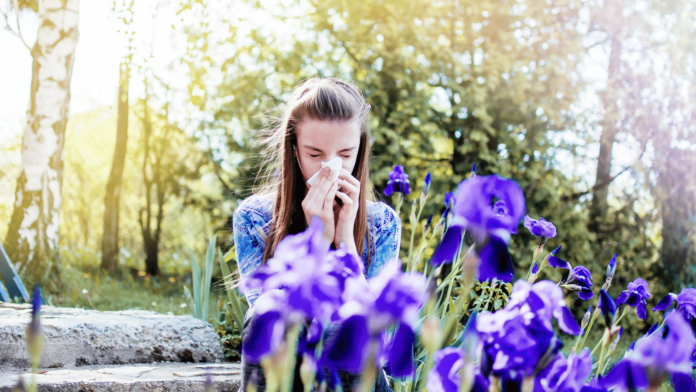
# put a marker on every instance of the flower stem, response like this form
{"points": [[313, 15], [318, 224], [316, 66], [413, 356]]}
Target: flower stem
{"points": [[290, 358], [367, 381], [414, 223], [595, 314], [535, 257], [399, 201], [623, 313], [421, 252], [604, 352], [451, 283]]}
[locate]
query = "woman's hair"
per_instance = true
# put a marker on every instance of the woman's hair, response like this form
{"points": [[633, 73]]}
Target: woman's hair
{"points": [[321, 99]]}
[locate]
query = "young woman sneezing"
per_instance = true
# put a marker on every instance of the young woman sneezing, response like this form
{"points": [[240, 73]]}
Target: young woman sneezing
{"points": [[324, 130]]}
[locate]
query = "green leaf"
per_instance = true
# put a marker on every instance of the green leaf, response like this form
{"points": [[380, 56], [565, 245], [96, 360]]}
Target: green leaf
{"points": [[196, 277], [236, 307], [208, 273]]}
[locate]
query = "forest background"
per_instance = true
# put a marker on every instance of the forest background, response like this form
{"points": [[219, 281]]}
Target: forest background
{"points": [[588, 104]]}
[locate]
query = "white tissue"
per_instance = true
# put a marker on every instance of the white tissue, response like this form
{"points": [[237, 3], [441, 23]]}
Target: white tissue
{"points": [[335, 165]]}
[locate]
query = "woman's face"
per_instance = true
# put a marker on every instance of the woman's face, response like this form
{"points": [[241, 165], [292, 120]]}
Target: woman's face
{"points": [[322, 141]]}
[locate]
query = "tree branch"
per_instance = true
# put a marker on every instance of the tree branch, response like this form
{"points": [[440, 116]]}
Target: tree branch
{"points": [[604, 184], [17, 33]]}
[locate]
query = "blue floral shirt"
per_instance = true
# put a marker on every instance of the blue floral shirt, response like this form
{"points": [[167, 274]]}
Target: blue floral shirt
{"points": [[251, 222]]}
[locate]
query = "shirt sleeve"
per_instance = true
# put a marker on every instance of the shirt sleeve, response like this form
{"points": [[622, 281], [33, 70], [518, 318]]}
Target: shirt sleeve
{"points": [[249, 246], [387, 237]]}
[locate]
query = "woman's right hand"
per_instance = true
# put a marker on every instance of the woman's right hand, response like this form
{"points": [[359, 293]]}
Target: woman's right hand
{"points": [[319, 201]]}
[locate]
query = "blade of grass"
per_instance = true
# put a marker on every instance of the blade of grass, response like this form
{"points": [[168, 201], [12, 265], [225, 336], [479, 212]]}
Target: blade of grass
{"points": [[208, 273], [196, 277]]}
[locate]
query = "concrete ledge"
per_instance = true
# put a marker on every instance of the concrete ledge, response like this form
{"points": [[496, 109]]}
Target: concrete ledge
{"points": [[77, 337], [147, 377]]}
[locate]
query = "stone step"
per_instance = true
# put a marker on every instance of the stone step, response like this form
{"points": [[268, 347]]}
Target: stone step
{"points": [[154, 377], [78, 337]]}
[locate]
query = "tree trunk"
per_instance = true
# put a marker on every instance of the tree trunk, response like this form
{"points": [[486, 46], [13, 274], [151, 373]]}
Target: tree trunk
{"points": [[600, 192], [32, 238], [113, 187], [677, 200]]}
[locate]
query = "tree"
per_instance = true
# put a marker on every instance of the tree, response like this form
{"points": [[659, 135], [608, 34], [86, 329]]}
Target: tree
{"points": [[450, 83], [609, 17], [169, 159], [32, 238], [110, 245]]}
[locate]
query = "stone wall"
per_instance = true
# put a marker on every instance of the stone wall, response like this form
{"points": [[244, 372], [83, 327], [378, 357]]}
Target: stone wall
{"points": [[77, 337]]}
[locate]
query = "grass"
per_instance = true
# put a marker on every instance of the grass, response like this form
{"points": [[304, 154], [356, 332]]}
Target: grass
{"points": [[123, 289]]}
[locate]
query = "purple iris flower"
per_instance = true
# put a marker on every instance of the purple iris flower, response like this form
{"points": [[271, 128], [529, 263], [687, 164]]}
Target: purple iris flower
{"points": [[520, 339], [444, 375], [390, 298], [518, 347], [666, 352], [473, 207], [545, 301], [686, 302], [611, 268], [565, 375], [635, 295], [473, 169], [557, 262], [35, 324], [398, 182], [540, 228], [535, 268], [473, 211], [581, 277], [313, 278], [449, 199], [426, 184], [303, 281], [428, 223], [608, 307]]}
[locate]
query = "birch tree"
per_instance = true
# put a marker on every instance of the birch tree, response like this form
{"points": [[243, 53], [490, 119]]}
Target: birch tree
{"points": [[32, 238]]}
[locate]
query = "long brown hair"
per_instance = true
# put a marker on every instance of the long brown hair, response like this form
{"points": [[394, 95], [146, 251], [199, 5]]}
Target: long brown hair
{"points": [[320, 99]]}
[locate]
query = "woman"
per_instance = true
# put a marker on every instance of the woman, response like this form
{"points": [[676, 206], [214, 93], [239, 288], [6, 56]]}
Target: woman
{"points": [[323, 119]]}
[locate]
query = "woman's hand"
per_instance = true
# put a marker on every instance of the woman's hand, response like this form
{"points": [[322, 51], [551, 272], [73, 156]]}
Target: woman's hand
{"points": [[350, 196], [319, 201]]}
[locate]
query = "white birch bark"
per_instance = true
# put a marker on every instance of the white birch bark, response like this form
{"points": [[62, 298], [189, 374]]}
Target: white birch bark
{"points": [[33, 232]]}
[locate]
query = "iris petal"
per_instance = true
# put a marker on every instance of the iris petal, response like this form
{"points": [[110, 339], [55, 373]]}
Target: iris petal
{"points": [[448, 247], [265, 333], [400, 353], [557, 262], [496, 262], [683, 382], [347, 351], [664, 303], [641, 311], [568, 323]]}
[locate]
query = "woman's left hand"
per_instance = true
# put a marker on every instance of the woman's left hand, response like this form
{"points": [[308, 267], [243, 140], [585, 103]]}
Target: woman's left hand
{"points": [[350, 196]]}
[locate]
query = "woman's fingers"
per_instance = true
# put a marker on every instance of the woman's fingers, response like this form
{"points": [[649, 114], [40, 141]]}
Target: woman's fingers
{"points": [[314, 190], [323, 191], [348, 188], [329, 198], [345, 175], [347, 200]]}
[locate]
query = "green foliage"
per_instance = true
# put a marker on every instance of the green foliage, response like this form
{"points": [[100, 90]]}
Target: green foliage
{"points": [[201, 282]]}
